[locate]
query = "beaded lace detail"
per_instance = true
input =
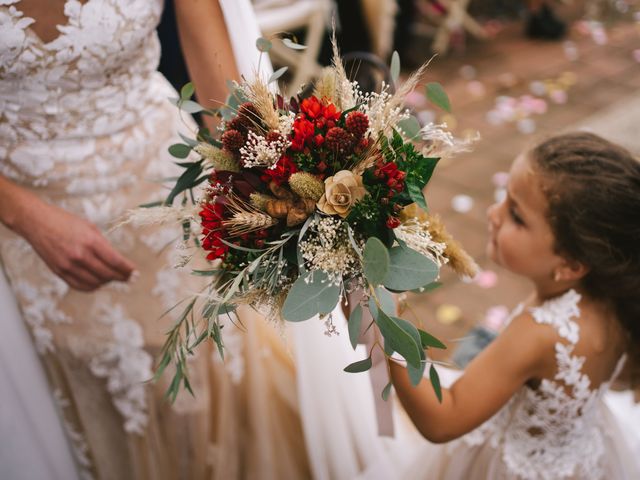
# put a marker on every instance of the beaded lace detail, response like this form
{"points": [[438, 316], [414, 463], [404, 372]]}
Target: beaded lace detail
{"points": [[552, 432]]}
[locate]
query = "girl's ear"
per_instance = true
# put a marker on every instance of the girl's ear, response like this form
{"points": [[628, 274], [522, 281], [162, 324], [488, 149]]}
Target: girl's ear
{"points": [[569, 271]]}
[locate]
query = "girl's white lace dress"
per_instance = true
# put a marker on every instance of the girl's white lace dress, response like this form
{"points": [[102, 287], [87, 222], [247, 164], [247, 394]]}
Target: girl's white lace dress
{"points": [[85, 124], [561, 430]]}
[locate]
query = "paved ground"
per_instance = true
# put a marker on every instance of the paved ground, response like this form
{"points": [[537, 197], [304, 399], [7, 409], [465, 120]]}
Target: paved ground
{"points": [[601, 84]]}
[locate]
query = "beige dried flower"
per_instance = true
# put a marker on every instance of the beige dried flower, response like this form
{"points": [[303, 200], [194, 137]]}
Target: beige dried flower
{"points": [[306, 185], [342, 191], [220, 159], [259, 200], [459, 260]]}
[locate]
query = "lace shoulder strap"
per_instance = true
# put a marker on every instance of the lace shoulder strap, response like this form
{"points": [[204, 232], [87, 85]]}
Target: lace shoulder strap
{"points": [[560, 313]]}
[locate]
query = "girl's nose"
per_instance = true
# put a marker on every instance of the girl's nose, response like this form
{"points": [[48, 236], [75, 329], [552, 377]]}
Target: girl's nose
{"points": [[493, 215]]}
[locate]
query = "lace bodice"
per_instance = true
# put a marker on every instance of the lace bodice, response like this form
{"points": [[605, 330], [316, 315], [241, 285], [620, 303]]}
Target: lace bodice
{"points": [[58, 100], [552, 432]]}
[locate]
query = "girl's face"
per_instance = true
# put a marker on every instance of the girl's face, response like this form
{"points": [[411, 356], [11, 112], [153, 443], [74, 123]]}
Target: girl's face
{"points": [[520, 237]]}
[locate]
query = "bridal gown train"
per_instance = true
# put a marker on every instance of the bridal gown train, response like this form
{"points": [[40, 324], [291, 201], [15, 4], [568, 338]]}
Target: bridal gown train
{"points": [[85, 125]]}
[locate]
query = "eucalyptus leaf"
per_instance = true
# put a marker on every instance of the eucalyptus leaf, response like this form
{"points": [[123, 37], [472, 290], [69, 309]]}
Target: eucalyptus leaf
{"points": [[435, 382], [186, 91], [394, 69], [386, 300], [311, 294], [427, 288], [360, 366], [409, 269], [416, 374], [376, 261], [190, 106], [277, 74], [410, 127], [428, 340], [293, 45], [263, 44], [354, 324], [437, 96], [180, 150], [386, 391], [399, 340], [189, 141]]}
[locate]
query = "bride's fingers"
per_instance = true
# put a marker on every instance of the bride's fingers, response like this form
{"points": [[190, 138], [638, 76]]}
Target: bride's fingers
{"points": [[114, 260], [82, 280], [100, 269]]}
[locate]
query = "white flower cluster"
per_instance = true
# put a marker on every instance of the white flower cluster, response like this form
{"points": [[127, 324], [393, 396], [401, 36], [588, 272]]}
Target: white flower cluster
{"points": [[382, 117], [327, 247], [415, 234], [441, 143], [257, 152], [285, 122]]}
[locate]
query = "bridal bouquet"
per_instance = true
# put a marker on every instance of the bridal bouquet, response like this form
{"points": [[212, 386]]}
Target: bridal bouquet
{"points": [[303, 202]]}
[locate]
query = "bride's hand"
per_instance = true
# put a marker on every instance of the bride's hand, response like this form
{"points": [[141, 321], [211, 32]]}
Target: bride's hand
{"points": [[73, 248]]}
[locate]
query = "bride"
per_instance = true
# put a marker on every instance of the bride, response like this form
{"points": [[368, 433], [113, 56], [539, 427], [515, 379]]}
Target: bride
{"points": [[85, 125]]}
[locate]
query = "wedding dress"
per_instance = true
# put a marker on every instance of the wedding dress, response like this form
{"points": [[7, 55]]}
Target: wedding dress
{"points": [[562, 430], [85, 124]]}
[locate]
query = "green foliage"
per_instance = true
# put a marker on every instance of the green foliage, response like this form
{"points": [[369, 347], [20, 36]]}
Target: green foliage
{"points": [[263, 45], [409, 269], [360, 366], [437, 96], [435, 382], [180, 150], [186, 92], [427, 340], [376, 261], [394, 69], [311, 294], [354, 324], [398, 339], [187, 180]]}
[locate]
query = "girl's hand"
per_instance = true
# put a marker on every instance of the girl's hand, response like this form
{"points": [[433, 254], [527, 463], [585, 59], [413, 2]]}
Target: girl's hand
{"points": [[73, 248]]}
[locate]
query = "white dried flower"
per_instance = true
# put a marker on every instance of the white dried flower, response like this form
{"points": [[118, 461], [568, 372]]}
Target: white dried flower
{"points": [[258, 152], [441, 143], [415, 233]]}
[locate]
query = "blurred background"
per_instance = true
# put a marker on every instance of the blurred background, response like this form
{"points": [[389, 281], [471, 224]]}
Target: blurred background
{"points": [[514, 72]]}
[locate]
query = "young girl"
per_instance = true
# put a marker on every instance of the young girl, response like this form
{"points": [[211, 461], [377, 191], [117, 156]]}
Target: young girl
{"points": [[530, 405]]}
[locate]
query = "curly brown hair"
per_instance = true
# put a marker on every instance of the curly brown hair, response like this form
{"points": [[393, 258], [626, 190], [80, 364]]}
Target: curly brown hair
{"points": [[593, 190]]}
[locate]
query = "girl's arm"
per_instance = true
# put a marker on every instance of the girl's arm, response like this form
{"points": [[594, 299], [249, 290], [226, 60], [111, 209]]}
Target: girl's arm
{"points": [[207, 50], [72, 248], [523, 351]]}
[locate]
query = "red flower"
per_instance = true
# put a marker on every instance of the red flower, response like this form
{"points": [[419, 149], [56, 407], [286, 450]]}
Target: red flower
{"points": [[212, 215], [330, 112], [303, 130], [318, 140], [311, 107], [393, 222], [280, 173]]}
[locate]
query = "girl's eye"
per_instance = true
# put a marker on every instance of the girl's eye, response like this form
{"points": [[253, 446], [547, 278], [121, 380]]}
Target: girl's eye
{"points": [[514, 215]]}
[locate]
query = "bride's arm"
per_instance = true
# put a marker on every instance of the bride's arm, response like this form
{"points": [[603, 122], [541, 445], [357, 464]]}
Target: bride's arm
{"points": [[207, 50], [72, 248]]}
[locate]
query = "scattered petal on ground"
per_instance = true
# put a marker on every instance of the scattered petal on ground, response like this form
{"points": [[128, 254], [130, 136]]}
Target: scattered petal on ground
{"points": [[496, 317], [448, 314], [486, 279], [462, 203]]}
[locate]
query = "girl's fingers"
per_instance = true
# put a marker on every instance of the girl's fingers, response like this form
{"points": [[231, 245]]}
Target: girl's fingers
{"points": [[114, 260]]}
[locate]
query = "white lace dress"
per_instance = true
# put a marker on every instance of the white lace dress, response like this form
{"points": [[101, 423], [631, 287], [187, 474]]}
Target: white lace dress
{"points": [[561, 430], [85, 124]]}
